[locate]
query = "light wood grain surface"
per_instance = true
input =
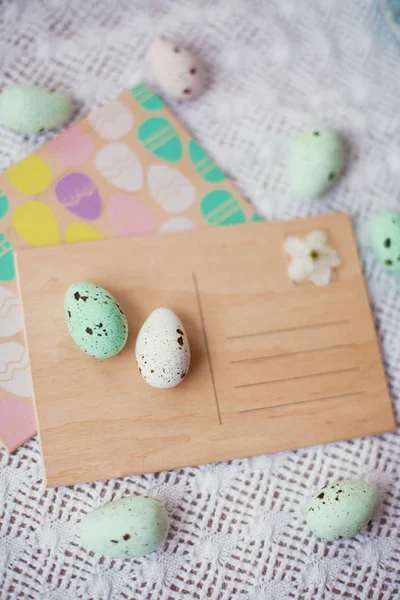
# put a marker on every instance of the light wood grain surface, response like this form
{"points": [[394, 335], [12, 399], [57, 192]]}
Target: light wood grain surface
{"points": [[275, 365]]}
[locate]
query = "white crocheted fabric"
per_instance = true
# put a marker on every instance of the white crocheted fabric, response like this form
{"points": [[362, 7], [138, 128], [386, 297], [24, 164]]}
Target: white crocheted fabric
{"points": [[277, 66]]}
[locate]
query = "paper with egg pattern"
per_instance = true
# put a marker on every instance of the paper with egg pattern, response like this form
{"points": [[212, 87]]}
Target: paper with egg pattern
{"points": [[129, 169]]}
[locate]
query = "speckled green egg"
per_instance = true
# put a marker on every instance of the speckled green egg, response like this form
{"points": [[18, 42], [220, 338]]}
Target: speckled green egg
{"points": [[316, 160], [130, 527], [96, 322], [385, 239], [342, 509], [32, 109]]}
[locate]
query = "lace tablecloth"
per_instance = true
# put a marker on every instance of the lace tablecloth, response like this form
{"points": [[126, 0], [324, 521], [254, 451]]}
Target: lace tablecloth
{"points": [[276, 67]]}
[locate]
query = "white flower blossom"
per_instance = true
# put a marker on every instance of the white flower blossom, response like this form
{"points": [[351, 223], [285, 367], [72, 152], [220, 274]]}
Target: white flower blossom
{"points": [[311, 258]]}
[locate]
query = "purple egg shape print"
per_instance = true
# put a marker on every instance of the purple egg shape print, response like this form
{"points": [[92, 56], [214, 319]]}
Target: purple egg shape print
{"points": [[79, 194]]}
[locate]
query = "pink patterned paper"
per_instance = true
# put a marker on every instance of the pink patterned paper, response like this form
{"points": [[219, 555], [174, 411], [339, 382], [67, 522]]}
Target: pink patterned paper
{"points": [[17, 422]]}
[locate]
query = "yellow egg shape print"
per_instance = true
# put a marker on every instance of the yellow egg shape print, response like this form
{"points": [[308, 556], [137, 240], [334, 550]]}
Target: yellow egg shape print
{"points": [[30, 176], [80, 232], [35, 222]]}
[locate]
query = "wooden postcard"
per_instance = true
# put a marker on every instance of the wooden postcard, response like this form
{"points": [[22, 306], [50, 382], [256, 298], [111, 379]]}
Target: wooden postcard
{"points": [[275, 365]]}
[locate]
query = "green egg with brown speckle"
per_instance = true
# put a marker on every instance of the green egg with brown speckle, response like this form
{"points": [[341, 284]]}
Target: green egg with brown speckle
{"points": [[127, 528], [316, 161], [95, 320], [385, 239], [33, 109], [342, 509]]}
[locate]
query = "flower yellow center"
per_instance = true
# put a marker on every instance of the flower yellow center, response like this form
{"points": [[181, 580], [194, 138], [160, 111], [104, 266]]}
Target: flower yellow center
{"points": [[314, 254]]}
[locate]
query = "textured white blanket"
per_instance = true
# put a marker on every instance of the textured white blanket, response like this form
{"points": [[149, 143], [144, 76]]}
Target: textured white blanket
{"points": [[277, 66]]}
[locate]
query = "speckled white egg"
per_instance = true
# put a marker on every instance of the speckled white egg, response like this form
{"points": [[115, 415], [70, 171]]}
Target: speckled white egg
{"points": [[162, 349], [179, 74]]}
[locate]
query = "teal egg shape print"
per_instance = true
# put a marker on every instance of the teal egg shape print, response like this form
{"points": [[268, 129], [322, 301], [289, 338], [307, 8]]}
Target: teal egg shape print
{"points": [[220, 207], [204, 165], [4, 205], [160, 137], [7, 270], [146, 98]]}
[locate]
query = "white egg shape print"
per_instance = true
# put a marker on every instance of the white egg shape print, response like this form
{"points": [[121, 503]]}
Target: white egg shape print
{"points": [[112, 121], [177, 224], [170, 189], [15, 374], [11, 320], [120, 166]]}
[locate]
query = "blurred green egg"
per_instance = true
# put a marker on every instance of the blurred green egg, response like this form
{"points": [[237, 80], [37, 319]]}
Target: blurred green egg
{"points": [[385, 239], [32, 109], [315, 162]]}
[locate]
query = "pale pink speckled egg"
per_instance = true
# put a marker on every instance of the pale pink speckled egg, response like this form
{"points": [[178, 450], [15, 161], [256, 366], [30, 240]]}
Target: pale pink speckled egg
{"points": [[180, 74]]}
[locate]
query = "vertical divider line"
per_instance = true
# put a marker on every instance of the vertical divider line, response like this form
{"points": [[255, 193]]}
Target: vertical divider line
{"points": [[196, 287]]}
